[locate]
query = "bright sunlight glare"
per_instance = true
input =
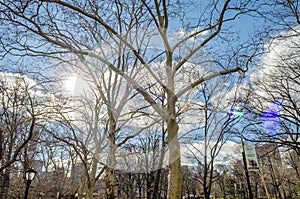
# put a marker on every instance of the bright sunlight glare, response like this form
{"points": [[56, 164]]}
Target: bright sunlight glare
{"points": [[69, 83]]}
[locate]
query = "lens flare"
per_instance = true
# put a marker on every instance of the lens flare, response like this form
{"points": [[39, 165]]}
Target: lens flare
{"points": [[271, 118]]}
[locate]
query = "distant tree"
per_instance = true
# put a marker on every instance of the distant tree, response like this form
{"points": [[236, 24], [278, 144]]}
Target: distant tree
{"points": [[291, 161], [147, 157], [95, 120], [80, 128], [24, 109], [213, 131], [272, 96], [57, 166], [275, 96], [17, 117], [190, 184]]}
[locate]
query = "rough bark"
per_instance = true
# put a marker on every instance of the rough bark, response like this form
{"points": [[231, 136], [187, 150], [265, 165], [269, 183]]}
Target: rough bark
{"points": [[175, 174], [111, 162], [110, 172]]}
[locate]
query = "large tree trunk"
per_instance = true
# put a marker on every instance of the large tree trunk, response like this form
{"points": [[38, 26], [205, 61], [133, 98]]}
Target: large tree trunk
{"points": [[4, 184], [110, 172], [175, 174], [81, 187], [90, 189], [111, 162], [92, 180]]}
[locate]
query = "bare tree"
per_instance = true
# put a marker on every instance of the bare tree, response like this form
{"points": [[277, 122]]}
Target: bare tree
{"points": [[291, 182], [21, 115], [214, 130], [274, 98], [63, 30]]}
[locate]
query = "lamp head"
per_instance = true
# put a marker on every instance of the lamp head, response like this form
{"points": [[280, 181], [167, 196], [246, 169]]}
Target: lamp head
{"points": [[30, 174]]}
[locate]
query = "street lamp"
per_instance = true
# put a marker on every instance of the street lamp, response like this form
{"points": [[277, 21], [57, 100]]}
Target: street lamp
{"points": [[246, 169], [237, 112], [29, 176]]}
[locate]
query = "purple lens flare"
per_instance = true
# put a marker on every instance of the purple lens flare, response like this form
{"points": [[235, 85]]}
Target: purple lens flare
{"points": [[271, 118]]}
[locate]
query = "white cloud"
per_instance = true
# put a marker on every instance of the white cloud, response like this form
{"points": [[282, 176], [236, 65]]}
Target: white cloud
{"points": [[229, 152], [277, 69], [284, 47], [12, 80]]}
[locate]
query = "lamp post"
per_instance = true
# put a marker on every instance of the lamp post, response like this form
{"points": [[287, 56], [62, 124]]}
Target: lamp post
{"points": [[246, 170], [29, 176], [237, 112]]}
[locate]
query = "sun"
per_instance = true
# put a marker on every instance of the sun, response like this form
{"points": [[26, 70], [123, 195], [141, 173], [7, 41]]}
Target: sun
{"points": [[69, 83]]}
